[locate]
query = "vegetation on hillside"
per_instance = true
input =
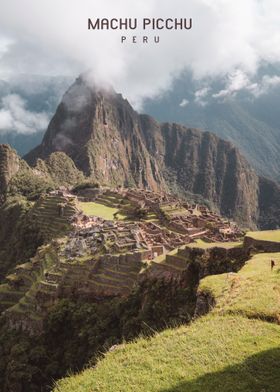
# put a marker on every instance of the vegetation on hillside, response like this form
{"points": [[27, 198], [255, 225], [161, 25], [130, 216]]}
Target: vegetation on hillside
{"points": [[87, 184], [24, 225], [61, 169], [77, 332], [19, 233], [29, 185]]}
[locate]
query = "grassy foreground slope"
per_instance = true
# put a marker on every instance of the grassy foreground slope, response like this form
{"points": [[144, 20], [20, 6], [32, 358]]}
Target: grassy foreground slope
{"points": [[232, 349], [221, 353], [254, 291]]}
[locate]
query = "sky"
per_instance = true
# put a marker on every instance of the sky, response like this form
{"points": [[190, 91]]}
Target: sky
{"points": [[229, 39]]}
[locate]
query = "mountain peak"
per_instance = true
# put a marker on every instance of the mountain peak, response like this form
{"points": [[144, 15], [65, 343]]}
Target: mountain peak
{"points": [[114, 145]]}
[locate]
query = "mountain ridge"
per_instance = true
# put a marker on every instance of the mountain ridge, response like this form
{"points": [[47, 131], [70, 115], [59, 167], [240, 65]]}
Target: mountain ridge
{"points": [[250, 122], [110, 142]]}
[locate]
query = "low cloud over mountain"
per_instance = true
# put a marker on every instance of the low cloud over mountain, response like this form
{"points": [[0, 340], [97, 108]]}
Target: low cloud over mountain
{"points": [[227, 38]]}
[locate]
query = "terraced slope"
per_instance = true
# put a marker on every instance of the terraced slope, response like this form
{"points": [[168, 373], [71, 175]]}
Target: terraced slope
{"points": [[53, 214], [37, 285], [19, 295], [115, 274]]}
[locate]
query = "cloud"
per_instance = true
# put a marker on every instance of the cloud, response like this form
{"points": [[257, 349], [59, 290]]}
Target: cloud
{"points": [[226, 36], [240, 81], [265, 85], [235, 82], [200, 96], [15, 117], [184, 103], [4, 45]]}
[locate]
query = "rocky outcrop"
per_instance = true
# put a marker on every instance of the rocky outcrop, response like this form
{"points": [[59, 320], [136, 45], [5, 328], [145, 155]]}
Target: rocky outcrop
{"points": [[206, 165], [115, 145], [9, 166]]}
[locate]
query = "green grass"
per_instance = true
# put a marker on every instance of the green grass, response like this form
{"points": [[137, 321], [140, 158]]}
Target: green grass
{"points": [[235, 348], [100, 210], [214, 354], [206, 245], [253, 291], [267, 235]]}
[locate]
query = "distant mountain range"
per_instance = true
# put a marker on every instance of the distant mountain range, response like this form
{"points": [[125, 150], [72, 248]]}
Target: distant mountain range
{"points": [[251, 122]]}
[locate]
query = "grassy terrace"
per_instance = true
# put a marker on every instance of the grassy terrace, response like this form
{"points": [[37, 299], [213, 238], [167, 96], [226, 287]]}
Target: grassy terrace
{"points": [[268, 235], [97, 209], [206, 245], [232, 349]]}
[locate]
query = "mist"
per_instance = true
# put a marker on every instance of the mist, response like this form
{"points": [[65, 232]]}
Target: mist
{"points": [[51, 38]]}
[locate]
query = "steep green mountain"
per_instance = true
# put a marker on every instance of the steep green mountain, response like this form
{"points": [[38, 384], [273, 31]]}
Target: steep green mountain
{"points": [[21, 188], [115, 145]]}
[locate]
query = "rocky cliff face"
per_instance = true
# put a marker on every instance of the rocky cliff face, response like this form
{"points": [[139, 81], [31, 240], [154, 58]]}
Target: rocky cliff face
{"points": [[203, 164], [9, 166], [115, 145], [101, 132], [269, 204]]}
